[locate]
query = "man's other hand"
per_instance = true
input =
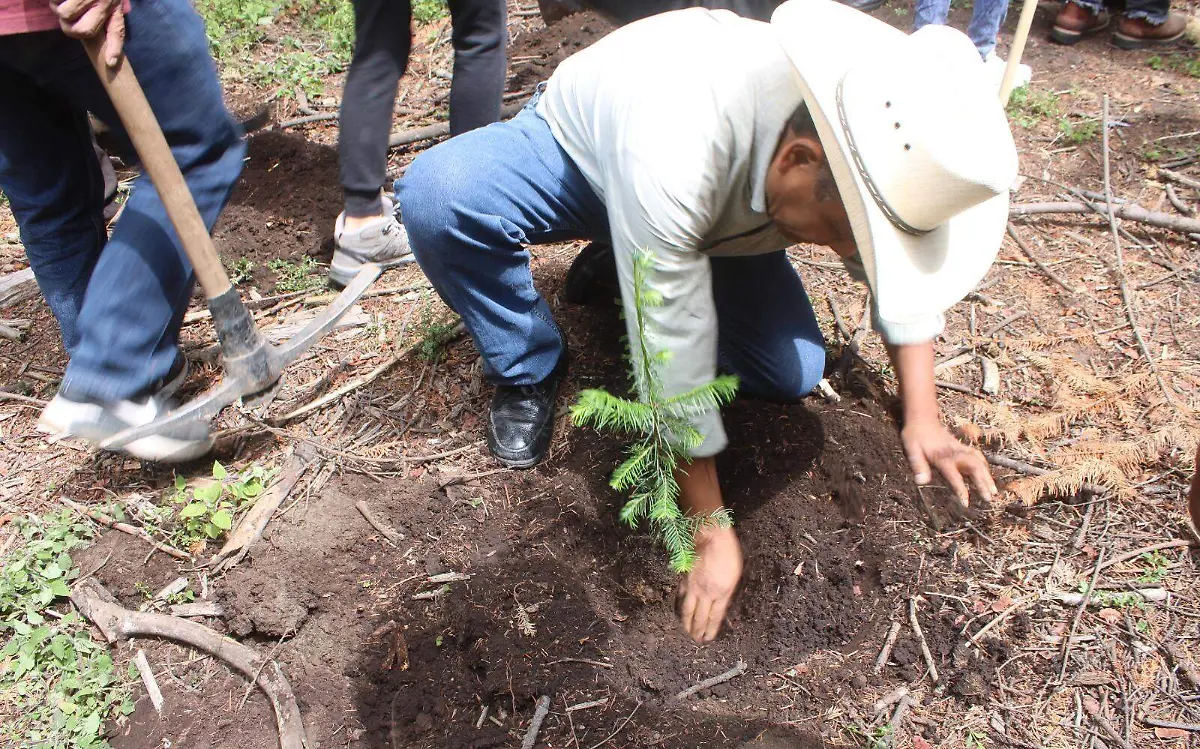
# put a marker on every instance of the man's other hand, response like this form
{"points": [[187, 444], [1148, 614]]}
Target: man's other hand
{"points": [[931, 444], [85, 19], [706, 591]]}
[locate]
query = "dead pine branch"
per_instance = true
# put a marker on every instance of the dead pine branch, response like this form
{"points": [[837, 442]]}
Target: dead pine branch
{"points": [[886, 651], [925, 651], [388, 533], [732, 673], [535, 725], [1129, 212], [1012, 232], [108, 522], [1030, 470], [118, 623], [254, 522], [1122, 277]]}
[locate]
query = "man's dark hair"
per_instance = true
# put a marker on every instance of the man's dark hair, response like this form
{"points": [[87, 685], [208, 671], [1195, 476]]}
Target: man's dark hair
{"points": [[801, 123]]}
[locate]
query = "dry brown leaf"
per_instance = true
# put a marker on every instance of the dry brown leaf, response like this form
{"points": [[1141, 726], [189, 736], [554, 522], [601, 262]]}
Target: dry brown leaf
{"points": [[1112, 616], [1167, 733]]}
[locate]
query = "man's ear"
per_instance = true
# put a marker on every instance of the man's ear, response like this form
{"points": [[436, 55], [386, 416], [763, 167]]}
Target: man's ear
{"points": [[801, 151]]}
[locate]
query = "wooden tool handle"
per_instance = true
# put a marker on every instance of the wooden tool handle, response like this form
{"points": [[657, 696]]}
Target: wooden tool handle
{"points": [[1018, 48], [158, 161]]}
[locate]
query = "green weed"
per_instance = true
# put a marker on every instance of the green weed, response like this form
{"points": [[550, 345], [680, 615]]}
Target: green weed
{"points": [[1027, 107], [434, 334], [302, 276], [241, 271], [1177, 62], [297, 68], [61, 686], [426, 11], [1078, 132], [206, 512], [1159, 566]]}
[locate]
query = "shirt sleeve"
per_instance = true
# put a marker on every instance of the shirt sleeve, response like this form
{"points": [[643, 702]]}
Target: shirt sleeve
{"points": [[895, 333], [661, 198]]}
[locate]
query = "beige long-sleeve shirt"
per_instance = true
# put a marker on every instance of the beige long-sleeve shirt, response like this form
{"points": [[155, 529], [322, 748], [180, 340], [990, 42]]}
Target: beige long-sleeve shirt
{"points": [[674, 121]]}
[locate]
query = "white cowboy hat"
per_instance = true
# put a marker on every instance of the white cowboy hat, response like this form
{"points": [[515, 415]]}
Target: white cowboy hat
{"points": [[918, 145]]}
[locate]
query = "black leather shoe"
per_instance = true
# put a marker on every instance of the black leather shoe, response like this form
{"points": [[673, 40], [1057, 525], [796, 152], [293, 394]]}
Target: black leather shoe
{"points": [[521, 419], [592, 278]]}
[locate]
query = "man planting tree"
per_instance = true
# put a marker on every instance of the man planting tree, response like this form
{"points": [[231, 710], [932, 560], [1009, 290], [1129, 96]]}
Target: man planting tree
{"points": [[711, 143]]}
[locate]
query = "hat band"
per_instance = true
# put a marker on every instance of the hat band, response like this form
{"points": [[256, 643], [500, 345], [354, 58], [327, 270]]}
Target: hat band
{"points": [[872, 188]]}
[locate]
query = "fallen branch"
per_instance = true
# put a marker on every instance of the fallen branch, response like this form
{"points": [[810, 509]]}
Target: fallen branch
{"points": [[732, 673], [322, 117], [586, 661], [118, 623], [1180, 206], [886, 651], [147, 674], [7, 396], [250, 529], [889, 699], [1012, 232], [617, 730], [1030, 470], [1190, 727], [1182, 179], [1152, 595], [440, 129], [1130, 212], [535, 725], [198, 609], [1110, 730], [378, 525], [108, 522], [925, 652], [17, 287]]}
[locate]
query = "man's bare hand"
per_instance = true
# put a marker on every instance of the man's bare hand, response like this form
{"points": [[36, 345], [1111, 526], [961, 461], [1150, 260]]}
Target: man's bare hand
{"points": [[931, 444], [86, 19], [705, 592]]}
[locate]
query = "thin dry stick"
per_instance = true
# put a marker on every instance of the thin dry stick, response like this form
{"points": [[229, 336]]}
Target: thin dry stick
{"points": [[1176, 544], [619, 728], [1122, 278], [7, 396], [1087, 596], [888, 644], [732, 673], [388, 533], [1192, 727], [118, 623], [1030, 470], [1012, 232], [916, 627], [147, 674], [535, 725], [1019, 603], [588, 661], [1111, 731], [1180, 206], [1129, 212], [108, 522], [889, 699], [322, 117], [1182, 179]]}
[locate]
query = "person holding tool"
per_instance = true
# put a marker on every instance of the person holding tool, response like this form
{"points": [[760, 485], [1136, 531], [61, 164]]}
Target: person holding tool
{"points": [[713, 143], [119, 301], [367, 231]]}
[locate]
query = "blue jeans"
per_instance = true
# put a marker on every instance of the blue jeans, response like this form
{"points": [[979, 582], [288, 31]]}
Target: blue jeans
{"points": [[1154, 11], [119, 301], [986, 19], [472, 204]]}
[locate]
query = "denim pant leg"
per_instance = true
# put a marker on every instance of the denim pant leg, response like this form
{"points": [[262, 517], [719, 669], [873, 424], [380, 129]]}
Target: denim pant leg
{"points": [[479, 33], [930, 13], [1155, 12], [470, 205], [768, 333], [140, 286], [986, 19], [50, 174]]}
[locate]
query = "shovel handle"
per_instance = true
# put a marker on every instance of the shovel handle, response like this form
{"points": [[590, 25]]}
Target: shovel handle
{"points": [[1018, 48], [158, 161]]}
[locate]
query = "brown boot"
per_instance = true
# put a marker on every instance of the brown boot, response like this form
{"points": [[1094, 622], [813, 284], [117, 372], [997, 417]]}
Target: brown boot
{"points": [[1074, 22], [1138, 33]]}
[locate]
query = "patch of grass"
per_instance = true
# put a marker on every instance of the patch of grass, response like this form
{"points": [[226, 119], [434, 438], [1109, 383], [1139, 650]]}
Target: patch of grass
{"points": [[205, 512], [302, 276], [58, 686], [1188, 65], [433, 334], [1078, 132], [1027, 107], [1157, 568], [297, 68], [233, 26], [426, 11]]}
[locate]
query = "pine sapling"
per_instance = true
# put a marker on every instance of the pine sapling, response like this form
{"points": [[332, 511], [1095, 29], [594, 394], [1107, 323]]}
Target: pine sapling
{"points": [[663, 431]]}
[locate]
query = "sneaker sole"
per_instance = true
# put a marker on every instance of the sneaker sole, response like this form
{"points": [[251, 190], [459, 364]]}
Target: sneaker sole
{"points": [[343, 269], [157, 449], [1123, 41]]}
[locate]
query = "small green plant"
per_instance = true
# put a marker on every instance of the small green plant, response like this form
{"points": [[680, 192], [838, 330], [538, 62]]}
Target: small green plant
{"points": [[663, 430], [300, 276], [1114, 599], [143, 590], [62, 686], [1158, 568], [242, 271], [297, 68], [434, 334], [206, 512], [1078, 132], [426, 11], [1028, 107], [975, 740], [1177, 62]]}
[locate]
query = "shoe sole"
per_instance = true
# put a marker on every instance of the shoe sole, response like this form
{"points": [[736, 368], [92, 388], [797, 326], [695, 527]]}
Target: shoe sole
{"points": [[1068, 37], [157, 449], [343, 269], [1123, 41]]}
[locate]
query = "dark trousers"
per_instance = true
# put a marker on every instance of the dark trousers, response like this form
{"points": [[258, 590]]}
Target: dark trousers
{"points": [[118, 300], [383, 39], [1154, 11]]}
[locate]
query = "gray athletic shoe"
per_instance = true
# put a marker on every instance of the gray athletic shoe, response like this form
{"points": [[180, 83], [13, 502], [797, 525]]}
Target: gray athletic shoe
{"points": [[382, 242], [96, 422]]}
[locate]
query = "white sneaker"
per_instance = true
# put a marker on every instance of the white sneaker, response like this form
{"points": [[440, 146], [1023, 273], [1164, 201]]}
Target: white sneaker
{"points": [[96, 422], [995, 66], [383, 241]]}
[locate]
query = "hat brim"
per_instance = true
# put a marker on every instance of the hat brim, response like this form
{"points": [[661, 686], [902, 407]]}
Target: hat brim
{"points": [[913, 277]]}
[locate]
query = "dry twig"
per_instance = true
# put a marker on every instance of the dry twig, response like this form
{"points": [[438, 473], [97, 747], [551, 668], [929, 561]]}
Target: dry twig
{"points": [[535, 725], [108, 522], [388, 533], [925, 652], [1129, 212], [1087, 596], [888, 644], [732, 673], [1012, 232], [147, 674]]}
